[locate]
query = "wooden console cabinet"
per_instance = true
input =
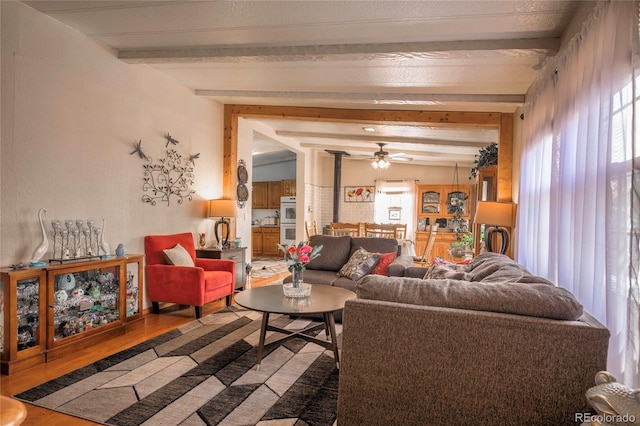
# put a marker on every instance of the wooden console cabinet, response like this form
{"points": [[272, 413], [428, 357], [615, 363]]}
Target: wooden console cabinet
{"points": [[440, 246], [52, 311]]}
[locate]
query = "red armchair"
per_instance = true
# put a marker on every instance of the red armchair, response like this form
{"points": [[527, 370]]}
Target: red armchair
{"points": [[208, 280]]}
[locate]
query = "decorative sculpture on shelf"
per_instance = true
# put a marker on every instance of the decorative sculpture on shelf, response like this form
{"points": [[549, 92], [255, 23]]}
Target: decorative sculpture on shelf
{"points": [[103, 244], [168, 177], [615, 403], [42, 248], [74, 241]]}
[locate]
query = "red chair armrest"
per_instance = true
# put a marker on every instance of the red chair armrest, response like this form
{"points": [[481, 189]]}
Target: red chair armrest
{"points": [[216, 264]]}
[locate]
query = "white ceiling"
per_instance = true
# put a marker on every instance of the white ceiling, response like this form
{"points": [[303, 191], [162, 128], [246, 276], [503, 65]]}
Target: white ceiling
{"points": [[412, 55]]}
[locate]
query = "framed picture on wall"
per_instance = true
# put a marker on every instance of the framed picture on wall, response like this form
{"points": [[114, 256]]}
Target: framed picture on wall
{"points": [[394, 213], [359, 194]]}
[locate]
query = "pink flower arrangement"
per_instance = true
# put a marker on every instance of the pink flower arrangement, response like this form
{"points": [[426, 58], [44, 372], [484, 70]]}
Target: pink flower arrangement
{"points": [[298, 256]]}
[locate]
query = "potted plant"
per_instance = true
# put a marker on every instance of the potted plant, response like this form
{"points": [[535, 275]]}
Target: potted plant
{"points": [[459, 248], [487, 156]]}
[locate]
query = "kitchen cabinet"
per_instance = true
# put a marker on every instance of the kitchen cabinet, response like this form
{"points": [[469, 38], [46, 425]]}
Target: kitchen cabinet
{"points": [[260, 195], [266, 195], [265, 240], [270, 241], [288, 187], [51, 312], [237, 254], [275, 189]]}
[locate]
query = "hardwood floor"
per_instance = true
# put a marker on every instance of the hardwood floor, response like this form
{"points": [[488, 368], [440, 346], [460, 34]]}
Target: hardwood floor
{"points": [[154, 325]]}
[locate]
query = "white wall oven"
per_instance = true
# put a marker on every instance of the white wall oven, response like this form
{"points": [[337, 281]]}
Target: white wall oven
{"points": [[288, 220], [287, 210]]}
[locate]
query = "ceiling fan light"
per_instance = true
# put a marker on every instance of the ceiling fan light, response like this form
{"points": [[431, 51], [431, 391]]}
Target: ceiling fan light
{"points": [[380, 163]]}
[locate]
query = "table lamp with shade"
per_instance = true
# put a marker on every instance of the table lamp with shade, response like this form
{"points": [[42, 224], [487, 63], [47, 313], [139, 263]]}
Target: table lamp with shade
{"points": [[223, 209], [496, 215]]}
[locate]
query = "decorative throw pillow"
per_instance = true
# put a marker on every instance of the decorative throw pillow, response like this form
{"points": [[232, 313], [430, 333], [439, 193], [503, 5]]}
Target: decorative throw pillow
{"points": [[360, 264], [383, 263], [179, 256], [463, 265]]}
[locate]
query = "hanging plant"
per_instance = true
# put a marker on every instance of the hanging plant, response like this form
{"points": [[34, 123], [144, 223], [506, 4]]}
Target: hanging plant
{"points": [[487, 156]]}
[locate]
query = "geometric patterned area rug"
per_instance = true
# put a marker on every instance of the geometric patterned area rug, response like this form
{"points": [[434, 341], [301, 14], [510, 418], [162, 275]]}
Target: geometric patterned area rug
{"points": [[203, 373]]}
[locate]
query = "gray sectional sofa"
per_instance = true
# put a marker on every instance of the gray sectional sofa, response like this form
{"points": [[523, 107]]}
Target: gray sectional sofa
{"points": [[336, 252], [499, 346]]}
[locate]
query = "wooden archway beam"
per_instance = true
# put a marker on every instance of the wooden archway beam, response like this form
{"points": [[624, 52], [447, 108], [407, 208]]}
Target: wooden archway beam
{"points": [[502, 122]]}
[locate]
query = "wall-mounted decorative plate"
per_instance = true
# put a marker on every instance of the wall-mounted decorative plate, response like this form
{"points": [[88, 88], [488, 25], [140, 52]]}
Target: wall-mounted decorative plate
{"points": [[243, 177], [243, 174], [243, 192]]}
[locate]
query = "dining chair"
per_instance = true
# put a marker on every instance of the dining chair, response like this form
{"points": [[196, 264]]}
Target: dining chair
{"points": [[379, 230], [401, 231], [343, 228], [310, 228], [428, 248]]}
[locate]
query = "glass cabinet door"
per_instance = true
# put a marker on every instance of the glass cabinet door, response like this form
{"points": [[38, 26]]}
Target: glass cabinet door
{"points": [[132, 291], [430, 202], [28, 312], [85, 300]]}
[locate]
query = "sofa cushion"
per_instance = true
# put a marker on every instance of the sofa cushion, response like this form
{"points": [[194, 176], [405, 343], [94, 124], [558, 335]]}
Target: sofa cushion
{"points": [[535, 299], [497, 268], [360, 264], [335, 252], [178, 256], [383, 264], [373, 245], [316, 276]]}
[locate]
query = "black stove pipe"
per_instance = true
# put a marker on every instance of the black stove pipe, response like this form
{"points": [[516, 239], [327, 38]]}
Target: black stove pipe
{"points": [[337, 174]]}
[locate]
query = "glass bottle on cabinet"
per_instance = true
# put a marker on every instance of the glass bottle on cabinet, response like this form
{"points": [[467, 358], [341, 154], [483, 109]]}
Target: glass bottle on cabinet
{"points": [[85, 300]]}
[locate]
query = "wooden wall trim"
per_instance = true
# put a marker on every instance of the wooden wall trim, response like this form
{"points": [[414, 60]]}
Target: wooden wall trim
{"points": [[505, 158]]}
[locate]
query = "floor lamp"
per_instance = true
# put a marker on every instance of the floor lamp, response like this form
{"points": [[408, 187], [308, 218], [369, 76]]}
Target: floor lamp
{"points": [[223, 209], [496, 216]]}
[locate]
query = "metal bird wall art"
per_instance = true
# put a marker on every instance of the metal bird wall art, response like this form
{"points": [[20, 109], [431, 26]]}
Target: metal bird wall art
{"points": [[193, 158], [166, 178], [170, 140], [138, 149]]}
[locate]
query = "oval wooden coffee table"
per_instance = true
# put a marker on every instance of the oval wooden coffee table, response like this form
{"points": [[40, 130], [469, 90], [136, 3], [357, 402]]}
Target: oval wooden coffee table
{"points": [[270, 299]]}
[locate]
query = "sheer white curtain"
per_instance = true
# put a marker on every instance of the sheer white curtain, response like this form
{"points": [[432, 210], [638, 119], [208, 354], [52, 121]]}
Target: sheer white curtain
{"points": [[396, 193], [577, 224]]}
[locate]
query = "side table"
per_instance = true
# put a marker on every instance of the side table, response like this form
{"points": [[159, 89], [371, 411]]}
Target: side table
{"points": [[236, 254]]}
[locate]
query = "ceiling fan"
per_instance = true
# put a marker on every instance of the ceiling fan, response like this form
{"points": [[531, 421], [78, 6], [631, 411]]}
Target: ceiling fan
{"points": [[380, 160]]}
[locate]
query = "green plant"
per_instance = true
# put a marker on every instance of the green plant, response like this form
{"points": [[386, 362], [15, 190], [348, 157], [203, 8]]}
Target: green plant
{"points": [[467, 239], [487, 156]]}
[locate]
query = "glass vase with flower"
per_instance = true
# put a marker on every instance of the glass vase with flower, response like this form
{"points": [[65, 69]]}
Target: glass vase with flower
{"points": [[297, 257]]}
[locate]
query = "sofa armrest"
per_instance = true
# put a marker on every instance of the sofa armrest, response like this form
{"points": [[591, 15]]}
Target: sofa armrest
{"points": [[399, 264], [402, 364], [415, 271]]}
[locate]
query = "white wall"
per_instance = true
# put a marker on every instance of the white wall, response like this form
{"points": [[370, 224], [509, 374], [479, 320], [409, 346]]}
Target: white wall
{"points": [[71, 113]]}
